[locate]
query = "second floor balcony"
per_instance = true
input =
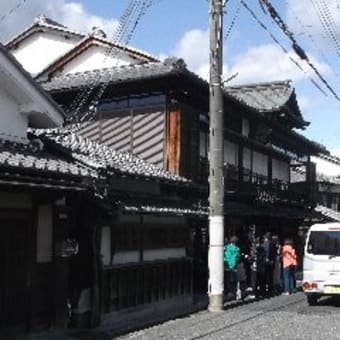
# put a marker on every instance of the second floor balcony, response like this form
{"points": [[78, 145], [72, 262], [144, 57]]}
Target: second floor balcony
{"points": [[261, 189]]}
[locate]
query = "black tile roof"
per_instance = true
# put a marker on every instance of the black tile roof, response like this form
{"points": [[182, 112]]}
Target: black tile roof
{"points": [[263, 96], [102, 157], [22, 158], [117, 75]]}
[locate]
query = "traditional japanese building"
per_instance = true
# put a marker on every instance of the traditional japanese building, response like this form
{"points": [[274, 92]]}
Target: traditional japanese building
{"points": [[158, 112], [34, 186], [327, 186], [87, 232]]}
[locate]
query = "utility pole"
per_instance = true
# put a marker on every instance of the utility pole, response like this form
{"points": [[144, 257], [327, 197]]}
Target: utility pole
{"points": [[216, 181]]}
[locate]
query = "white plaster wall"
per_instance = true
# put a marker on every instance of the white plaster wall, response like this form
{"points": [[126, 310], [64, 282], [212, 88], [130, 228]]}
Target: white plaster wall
{"points": [[163, 254], [325, 167], [94, 58], [13, 125], [40, 50]]}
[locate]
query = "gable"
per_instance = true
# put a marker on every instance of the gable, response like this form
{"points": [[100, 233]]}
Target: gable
{"points": [[96, 57], [41, 49]]}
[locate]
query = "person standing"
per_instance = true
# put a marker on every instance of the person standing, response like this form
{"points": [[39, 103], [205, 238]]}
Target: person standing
{"points": [[271, 254], [277, 266], [289, 263], [232, 258]]}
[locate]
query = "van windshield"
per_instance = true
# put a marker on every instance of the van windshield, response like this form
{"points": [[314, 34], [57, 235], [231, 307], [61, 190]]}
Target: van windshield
{"points": [[324, 243]]}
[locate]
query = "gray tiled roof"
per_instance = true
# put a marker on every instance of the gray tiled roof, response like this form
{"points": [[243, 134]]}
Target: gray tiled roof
{"points": [[19, 157], [117, 75], [102, 157], [265, 96]]}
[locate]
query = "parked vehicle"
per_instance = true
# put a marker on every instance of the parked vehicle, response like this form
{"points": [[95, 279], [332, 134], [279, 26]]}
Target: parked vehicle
{"points": [[321, 265]]}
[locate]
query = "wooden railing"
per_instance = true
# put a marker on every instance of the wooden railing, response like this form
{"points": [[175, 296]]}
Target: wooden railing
{"points": [[143, 283], [257, 185]]}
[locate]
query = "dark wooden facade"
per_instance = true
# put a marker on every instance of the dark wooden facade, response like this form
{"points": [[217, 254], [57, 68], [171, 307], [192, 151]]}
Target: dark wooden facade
{"points": [[164, 119], [35, 282]]}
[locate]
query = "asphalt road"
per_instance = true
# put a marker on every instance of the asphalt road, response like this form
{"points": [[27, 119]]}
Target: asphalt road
{"points": [[281, 317]]}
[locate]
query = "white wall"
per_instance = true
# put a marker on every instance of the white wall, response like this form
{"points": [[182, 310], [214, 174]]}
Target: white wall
{"points": [[13, 124], [40, 50], [325, 167], [95, 58]]}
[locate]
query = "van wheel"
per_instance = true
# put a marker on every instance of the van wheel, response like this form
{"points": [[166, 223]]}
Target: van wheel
{"points": [[312, 299]]}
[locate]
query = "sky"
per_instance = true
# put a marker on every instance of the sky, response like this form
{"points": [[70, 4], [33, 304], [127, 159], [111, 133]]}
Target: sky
{"points": [[180, 28]]}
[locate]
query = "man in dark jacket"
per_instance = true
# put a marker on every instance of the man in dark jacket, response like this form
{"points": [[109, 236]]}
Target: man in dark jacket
{"points": [[271, 253]]}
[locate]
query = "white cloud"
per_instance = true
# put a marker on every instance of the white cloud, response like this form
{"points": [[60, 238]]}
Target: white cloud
{"points": [[68, 13], [269, 63], [260, 63], [193, 47]]}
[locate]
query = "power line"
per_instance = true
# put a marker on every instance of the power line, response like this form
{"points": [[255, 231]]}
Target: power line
{"points": [[312, 39], [12, 10], [83, 96], [256, 18], [142, 10], [233, 21], [327, 23], [296, 47], [137, 8]]}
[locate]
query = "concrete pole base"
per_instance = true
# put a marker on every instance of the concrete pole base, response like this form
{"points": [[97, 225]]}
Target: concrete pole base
{"points": [[215, 303]]}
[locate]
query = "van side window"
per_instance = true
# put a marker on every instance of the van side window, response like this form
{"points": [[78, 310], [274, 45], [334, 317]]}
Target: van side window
{"points": [[324, 243]]}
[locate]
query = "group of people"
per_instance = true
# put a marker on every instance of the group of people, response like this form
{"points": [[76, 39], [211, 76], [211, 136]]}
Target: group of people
{"points": [[262, 268]]}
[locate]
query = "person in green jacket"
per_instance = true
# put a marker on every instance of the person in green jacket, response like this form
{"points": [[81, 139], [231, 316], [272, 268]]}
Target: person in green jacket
{"points": [[232, 254]]}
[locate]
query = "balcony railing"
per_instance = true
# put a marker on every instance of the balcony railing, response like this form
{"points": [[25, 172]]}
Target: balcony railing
{"points": [[256, 185]]}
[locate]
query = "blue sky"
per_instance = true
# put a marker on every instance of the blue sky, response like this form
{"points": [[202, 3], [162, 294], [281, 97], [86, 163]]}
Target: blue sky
{"points": [[180, 28]]}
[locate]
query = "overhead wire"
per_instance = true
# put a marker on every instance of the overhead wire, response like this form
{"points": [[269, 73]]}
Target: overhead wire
{"points": [[311, 38], [327, 22], [142, 10], [233, 21], [12, 10], [261, 24], [82, 97], [131, 17], [296, 47]]}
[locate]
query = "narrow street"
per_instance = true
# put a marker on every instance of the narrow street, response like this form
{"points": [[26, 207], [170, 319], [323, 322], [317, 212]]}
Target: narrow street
{"points": [[280, 317]]}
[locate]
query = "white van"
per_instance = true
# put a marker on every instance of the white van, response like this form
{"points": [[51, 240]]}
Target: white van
{"points": [[321, 264]]}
